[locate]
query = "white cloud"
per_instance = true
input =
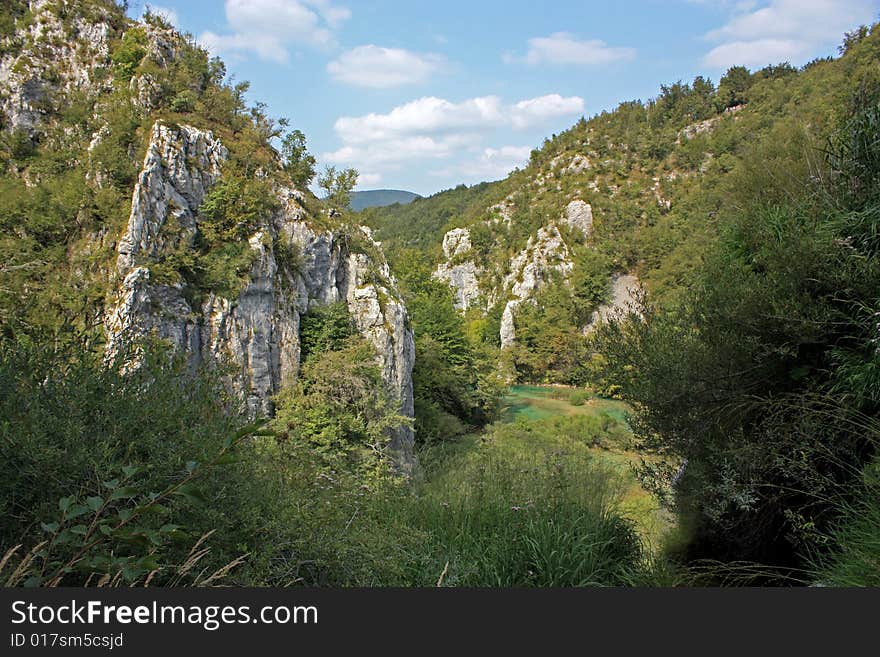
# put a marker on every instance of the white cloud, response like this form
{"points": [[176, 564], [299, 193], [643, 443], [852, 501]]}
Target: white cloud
{"points": [[534, 111], [389, 153], [376, 67], [431, 116], [269, 28], [334, 16], [367, 180], [756, 53], [434, 129], [168, 14], [564, 48], [490, 164], [427, 115], [783, 30]]}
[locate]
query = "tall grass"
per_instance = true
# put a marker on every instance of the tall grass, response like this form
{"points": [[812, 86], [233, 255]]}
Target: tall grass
{"points": [[855, 561], [513, 514]]}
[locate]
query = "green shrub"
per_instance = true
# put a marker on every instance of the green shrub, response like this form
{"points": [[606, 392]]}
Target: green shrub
{"points": [[752, 377], [325, 328], [103, 465], [129, 52], [234, 208], [184, 102]]}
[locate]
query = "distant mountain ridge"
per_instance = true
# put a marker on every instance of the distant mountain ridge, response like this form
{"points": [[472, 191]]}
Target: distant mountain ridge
{"points": [[375, 198]]}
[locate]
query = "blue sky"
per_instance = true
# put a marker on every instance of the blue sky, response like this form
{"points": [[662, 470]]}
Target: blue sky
{"points": [[425, 95]]}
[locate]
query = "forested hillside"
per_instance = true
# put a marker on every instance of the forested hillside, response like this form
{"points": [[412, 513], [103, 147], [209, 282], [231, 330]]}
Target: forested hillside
{"points": [[743, 217], [641, 191]]}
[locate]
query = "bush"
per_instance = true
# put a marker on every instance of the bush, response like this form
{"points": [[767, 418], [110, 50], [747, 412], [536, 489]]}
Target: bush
{"points": [[325, 328], [752, 378], [103, 465], [129, 52]]}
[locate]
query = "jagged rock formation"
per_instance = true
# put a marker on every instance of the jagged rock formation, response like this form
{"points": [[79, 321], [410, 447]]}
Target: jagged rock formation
{"points": [[62, 51], [546, 256], [30, 77], [461, 274], [255, 333], [179, 167], [163, 47]]}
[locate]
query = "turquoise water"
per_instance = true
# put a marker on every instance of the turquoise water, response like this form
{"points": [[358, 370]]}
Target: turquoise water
{"points": [[539, 402], [520, 402]]}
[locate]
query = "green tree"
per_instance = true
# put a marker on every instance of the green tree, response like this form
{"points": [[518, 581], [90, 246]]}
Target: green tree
{"points": [[761, 377], [733, 87], [337, 186], [298, 162]]}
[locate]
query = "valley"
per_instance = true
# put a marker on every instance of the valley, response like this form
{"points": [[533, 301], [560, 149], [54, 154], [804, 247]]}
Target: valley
{"points": [[646, 357]]}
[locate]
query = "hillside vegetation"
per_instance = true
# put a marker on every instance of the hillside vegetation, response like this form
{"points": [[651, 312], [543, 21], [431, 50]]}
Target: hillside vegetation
{"points": [[663, 178], [748, 212]]}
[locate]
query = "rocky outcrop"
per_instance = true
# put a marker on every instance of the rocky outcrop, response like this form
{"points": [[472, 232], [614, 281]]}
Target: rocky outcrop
{"points": [[704, 127], [180, 165], [256, 332], [456, 242], [577, 164], [458, 271], [163, 47], [545, 257], [33, 75], [578, 215]]}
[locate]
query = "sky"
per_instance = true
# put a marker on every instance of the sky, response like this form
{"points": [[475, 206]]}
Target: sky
{"points": [[424, 95]]}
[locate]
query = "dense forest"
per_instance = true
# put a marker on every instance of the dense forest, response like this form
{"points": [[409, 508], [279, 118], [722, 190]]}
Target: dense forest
{"points": [[720, 430]]}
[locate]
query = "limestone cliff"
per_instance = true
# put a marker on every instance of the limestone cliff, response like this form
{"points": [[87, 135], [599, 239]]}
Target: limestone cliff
{"points": [[459, 269], [546, 256], [256, 331]]}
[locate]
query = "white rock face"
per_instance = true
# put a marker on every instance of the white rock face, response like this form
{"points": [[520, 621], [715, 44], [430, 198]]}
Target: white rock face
{"points": [[463, 278], [503, 210], [624, 293], [703, 127], [29, 81], [257, 332], [545, 257], [546, 254], [508, 327], [456, 242], [461, 275], [579, 216], [179, 167], [579, 164]]}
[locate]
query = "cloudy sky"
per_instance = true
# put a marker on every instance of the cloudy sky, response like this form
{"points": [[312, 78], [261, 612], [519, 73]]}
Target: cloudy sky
{"points": [[423, 95]]}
